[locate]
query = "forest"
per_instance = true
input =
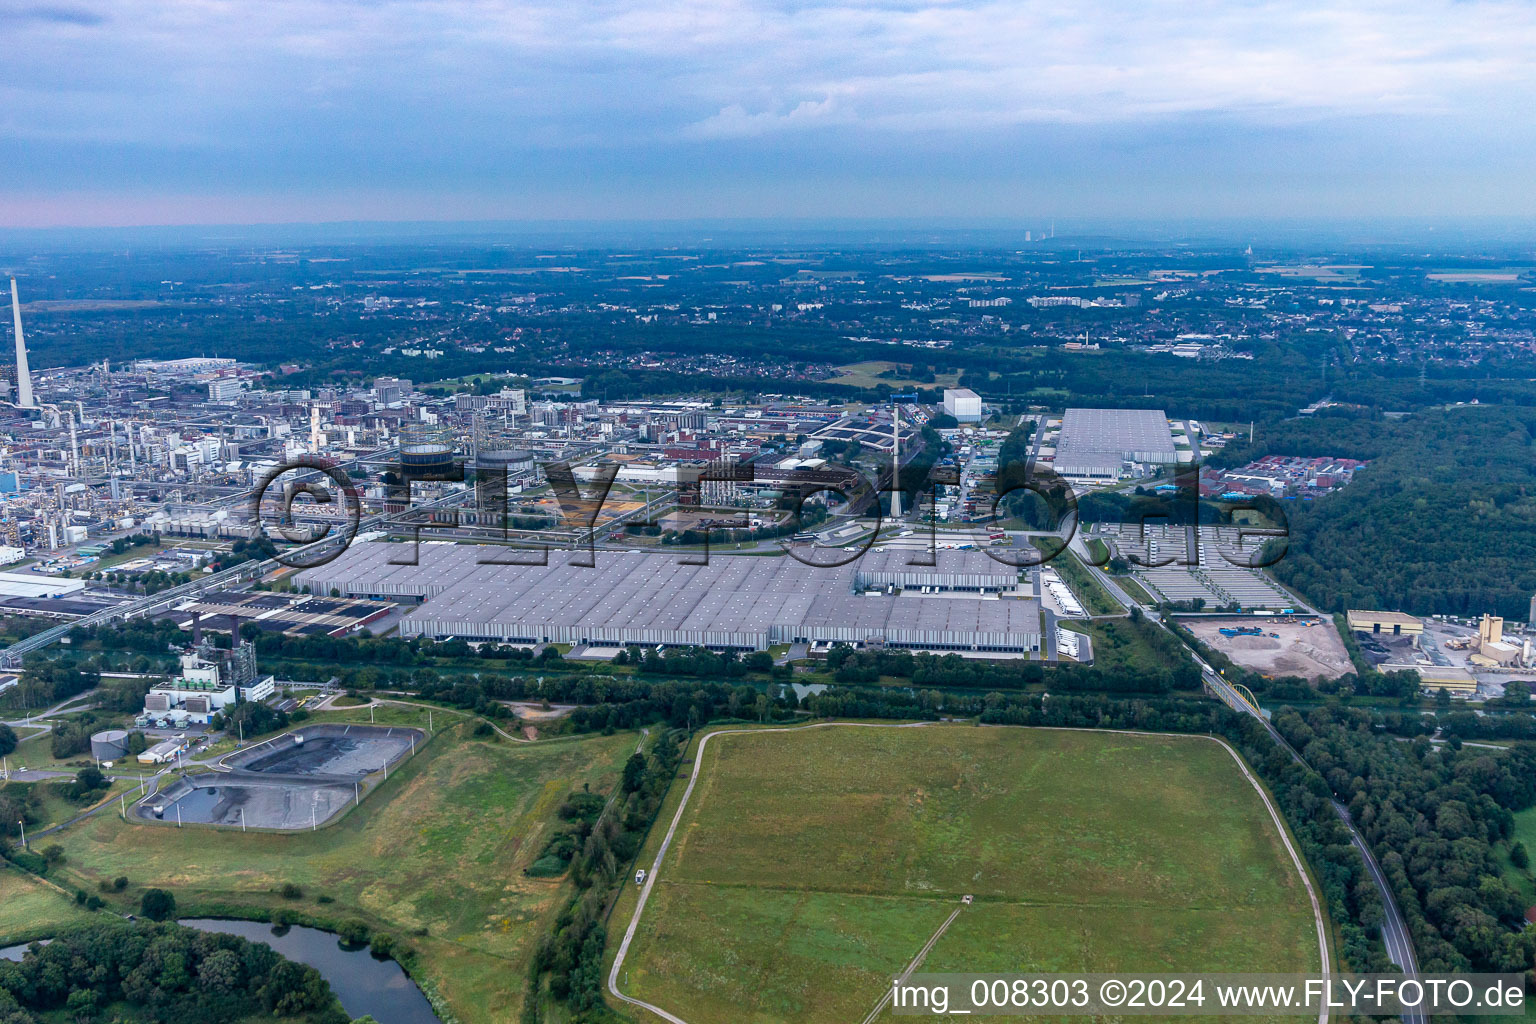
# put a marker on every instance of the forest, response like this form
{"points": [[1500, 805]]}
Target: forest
{"points": [[1442, 521], [1434, 815]]}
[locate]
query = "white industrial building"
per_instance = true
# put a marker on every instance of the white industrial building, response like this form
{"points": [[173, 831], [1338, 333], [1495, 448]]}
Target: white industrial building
{"points": [[26, 584], [200, 692], [1097, 444], [163, 752], [963, 404], [224, 389], [967, 601]]}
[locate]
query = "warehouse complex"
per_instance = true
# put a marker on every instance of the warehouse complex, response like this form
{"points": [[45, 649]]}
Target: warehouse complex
{"points": [[966, 602], [1095, 444]]}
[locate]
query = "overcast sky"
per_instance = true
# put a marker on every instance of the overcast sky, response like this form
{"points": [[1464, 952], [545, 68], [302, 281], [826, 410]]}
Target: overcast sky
{"points": [[245, 111]]}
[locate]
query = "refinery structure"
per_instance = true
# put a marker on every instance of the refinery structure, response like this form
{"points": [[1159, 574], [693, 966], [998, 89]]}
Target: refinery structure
{"points": [[533, 510]]}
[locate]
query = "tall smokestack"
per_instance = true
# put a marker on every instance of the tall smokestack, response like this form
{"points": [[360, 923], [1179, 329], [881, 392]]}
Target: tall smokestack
{"points": [[197, 628], [234, 650], [895, 461], [23, 374]]}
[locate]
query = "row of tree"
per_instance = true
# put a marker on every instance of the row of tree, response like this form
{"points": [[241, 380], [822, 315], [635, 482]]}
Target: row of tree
{"points": [[1434, 815], [570, 957]]}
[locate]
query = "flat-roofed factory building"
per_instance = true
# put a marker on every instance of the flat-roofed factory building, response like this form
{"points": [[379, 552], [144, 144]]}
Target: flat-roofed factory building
{"points": [[740, 602], [1096, 444], [1391, 623]]}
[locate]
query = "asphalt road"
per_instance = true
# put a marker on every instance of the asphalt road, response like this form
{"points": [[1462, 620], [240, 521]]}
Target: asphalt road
{"points": [[1394, 930]]}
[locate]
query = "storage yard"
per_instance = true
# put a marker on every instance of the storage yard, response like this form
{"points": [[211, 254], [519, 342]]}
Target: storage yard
{"points": [[1312, 652], [1219, 579], [965, 602], [300, 779]]}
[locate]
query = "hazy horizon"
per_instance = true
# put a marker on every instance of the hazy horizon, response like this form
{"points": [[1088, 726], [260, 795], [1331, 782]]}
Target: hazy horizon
{"points": [[1486, 236]]}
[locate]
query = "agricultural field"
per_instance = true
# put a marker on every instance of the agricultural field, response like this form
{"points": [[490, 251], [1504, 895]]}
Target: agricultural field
{"points": [[434, 857], [810, 865]]}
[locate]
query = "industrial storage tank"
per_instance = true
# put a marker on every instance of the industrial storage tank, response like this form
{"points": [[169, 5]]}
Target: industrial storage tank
{"points": [[109, 744], [514, 460], [426, 453]]}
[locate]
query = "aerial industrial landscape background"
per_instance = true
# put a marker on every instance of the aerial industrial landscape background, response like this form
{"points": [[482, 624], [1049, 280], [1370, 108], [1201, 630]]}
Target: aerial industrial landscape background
{"points": [[767, 513]]}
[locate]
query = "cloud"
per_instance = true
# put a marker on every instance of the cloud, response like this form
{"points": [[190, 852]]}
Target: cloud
{"points": [[55, 15], [268, 94], [734, 122]]}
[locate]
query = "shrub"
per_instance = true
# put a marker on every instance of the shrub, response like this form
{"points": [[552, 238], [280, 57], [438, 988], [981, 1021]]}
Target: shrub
{"points": [[157, 905], [289, 891], [383, 946], [120, 883], [353, 933]]}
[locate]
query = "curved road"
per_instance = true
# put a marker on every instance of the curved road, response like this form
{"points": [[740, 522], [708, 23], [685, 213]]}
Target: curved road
{"points": [[666, 841], [1394, 929]]}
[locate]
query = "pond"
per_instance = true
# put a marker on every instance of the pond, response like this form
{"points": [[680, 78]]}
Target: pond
{"points": [[16, 952], [364, 985]]}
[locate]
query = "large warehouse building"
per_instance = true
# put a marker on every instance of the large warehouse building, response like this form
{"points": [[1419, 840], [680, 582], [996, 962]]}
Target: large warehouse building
{"points": [[966, 602], [1095, 444]]}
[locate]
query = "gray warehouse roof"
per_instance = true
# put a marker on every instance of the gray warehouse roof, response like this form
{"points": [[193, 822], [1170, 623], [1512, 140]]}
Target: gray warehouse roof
{"points": [[1098, 441], [737, 601]]}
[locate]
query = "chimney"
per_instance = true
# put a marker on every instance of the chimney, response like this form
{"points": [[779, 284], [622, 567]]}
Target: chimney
{"points": [[23, 375], [197, 628], [234, 650]]}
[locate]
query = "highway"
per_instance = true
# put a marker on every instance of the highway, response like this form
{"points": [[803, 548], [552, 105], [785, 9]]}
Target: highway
{"points": [[1394, 930]]}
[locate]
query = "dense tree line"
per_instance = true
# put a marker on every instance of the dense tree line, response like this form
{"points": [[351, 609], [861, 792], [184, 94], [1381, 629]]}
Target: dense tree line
{"points": [[696, 661], [1301, 793], [1469, 725], [165, 972], [1443, 520], [46, 681], [580, 812], [1433, 815], [252, 718], [571, 956]]}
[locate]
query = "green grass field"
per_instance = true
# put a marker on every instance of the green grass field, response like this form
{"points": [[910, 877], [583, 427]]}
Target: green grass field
{"points": [[32, 909], [811, 865], [1521, 878], [867, 375], [440, 846]]}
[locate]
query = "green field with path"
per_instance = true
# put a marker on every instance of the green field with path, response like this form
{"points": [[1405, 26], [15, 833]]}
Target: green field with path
{"points": [[812, 864]]}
